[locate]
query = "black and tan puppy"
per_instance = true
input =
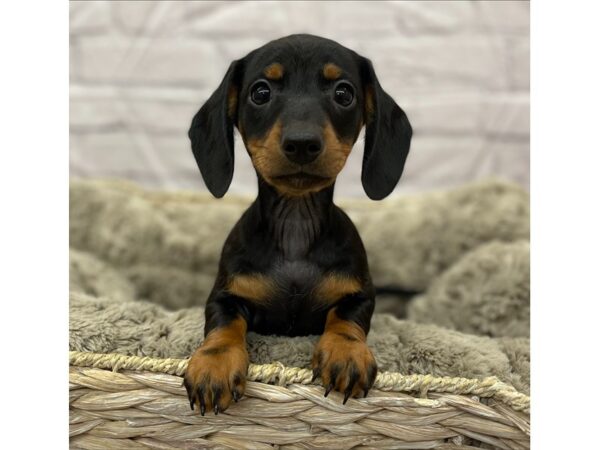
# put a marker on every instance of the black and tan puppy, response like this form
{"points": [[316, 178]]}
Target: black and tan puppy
{"points": [[294, 264]]}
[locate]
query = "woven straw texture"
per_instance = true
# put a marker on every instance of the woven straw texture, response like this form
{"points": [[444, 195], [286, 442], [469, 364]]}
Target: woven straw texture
{"points": [[145, 406]]}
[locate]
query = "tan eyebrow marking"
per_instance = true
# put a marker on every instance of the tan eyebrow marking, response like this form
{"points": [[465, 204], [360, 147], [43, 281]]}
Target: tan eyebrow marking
{"points": [[331, 71], [274, 71]]}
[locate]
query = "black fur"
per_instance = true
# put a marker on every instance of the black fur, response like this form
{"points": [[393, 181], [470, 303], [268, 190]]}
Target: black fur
{"points": [[387, 140], [387, 136], [297, 241], [257, 245], [211, 134]]}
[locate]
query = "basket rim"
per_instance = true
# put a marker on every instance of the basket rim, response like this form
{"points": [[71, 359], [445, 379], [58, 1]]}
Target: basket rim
{"points": [[277, 373]]}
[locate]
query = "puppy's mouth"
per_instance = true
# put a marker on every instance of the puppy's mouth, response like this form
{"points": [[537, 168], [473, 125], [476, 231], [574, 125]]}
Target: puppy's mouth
{"points": [[301, 179]]}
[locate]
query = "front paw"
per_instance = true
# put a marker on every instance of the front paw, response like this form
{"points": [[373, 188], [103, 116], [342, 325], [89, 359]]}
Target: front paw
{"points": [[345, 364], [216, 375]]}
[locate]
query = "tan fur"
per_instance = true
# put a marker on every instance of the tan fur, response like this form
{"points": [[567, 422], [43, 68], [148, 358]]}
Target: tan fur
{"points": [[342, 345], [331, 71], [334, 324], [292, 191], [334, 286], [270, 161], [220, 359], [265, 152], [336, 152], [232, 334], [274, 72], [369, 104], [256, 287], [232, 99]]}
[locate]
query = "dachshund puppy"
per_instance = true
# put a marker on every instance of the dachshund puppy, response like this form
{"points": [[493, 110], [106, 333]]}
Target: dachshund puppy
{"points": [[294, 264]]}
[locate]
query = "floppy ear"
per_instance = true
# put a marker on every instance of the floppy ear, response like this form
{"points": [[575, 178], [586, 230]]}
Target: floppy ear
{"points": [[211, 133], [387, 137]]}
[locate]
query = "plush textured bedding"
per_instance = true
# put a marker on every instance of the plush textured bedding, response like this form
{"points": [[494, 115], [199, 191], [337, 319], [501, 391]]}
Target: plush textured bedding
{"points": [[143, 263]]}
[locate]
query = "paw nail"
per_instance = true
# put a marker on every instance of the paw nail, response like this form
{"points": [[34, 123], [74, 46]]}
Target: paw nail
{"points": [[346, 397], [216, 410], [316, 374], [202, 410], [328, 390]]}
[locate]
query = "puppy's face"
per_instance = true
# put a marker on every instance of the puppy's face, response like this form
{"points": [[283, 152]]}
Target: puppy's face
{"points": [[299, 103], [299, 111]]}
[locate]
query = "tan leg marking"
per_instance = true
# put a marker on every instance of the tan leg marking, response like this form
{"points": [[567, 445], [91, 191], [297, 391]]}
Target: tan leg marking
{"points": [[343, 359], [216, 372]]}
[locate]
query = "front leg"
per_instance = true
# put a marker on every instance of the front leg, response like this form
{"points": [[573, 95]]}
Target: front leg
{"points": [[216, 372], [342, 358]]}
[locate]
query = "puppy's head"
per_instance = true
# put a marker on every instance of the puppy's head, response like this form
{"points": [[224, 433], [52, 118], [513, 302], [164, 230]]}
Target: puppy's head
{"points": [[299, 104]]}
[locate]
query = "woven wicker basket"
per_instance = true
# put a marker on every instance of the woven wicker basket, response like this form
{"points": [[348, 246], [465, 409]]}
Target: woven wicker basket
{"points": [[119, 401]]}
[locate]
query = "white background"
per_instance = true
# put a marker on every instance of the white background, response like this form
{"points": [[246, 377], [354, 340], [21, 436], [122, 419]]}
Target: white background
{"points": [[140, 70]]}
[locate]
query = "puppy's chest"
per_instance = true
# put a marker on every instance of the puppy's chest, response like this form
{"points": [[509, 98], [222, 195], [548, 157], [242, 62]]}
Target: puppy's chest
{"points": [[297, 237], [293, 306], [295, 227], [297, 297], [292, 271], [286, 295], [294, 280]]}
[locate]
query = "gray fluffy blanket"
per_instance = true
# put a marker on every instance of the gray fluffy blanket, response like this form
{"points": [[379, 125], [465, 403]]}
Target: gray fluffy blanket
{"points": [[142, 264]]}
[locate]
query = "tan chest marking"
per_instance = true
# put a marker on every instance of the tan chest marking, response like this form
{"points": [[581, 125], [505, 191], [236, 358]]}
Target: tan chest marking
{"points": [[254, 287], [260, 289], [335, 286]]}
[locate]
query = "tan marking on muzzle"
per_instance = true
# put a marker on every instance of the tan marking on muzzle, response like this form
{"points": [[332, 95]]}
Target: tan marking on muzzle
{"points": [[265, 152], [270, 162], [335, 153]]}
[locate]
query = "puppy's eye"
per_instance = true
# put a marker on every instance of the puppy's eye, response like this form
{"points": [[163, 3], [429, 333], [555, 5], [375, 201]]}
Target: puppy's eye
{"points": [[260, 93], [343, 94]]}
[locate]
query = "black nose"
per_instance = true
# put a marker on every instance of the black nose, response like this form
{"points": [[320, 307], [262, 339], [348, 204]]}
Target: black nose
{"points": [[302, 148]]}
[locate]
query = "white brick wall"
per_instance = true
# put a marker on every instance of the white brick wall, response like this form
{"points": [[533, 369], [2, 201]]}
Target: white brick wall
{"points": [[140, 70]]}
